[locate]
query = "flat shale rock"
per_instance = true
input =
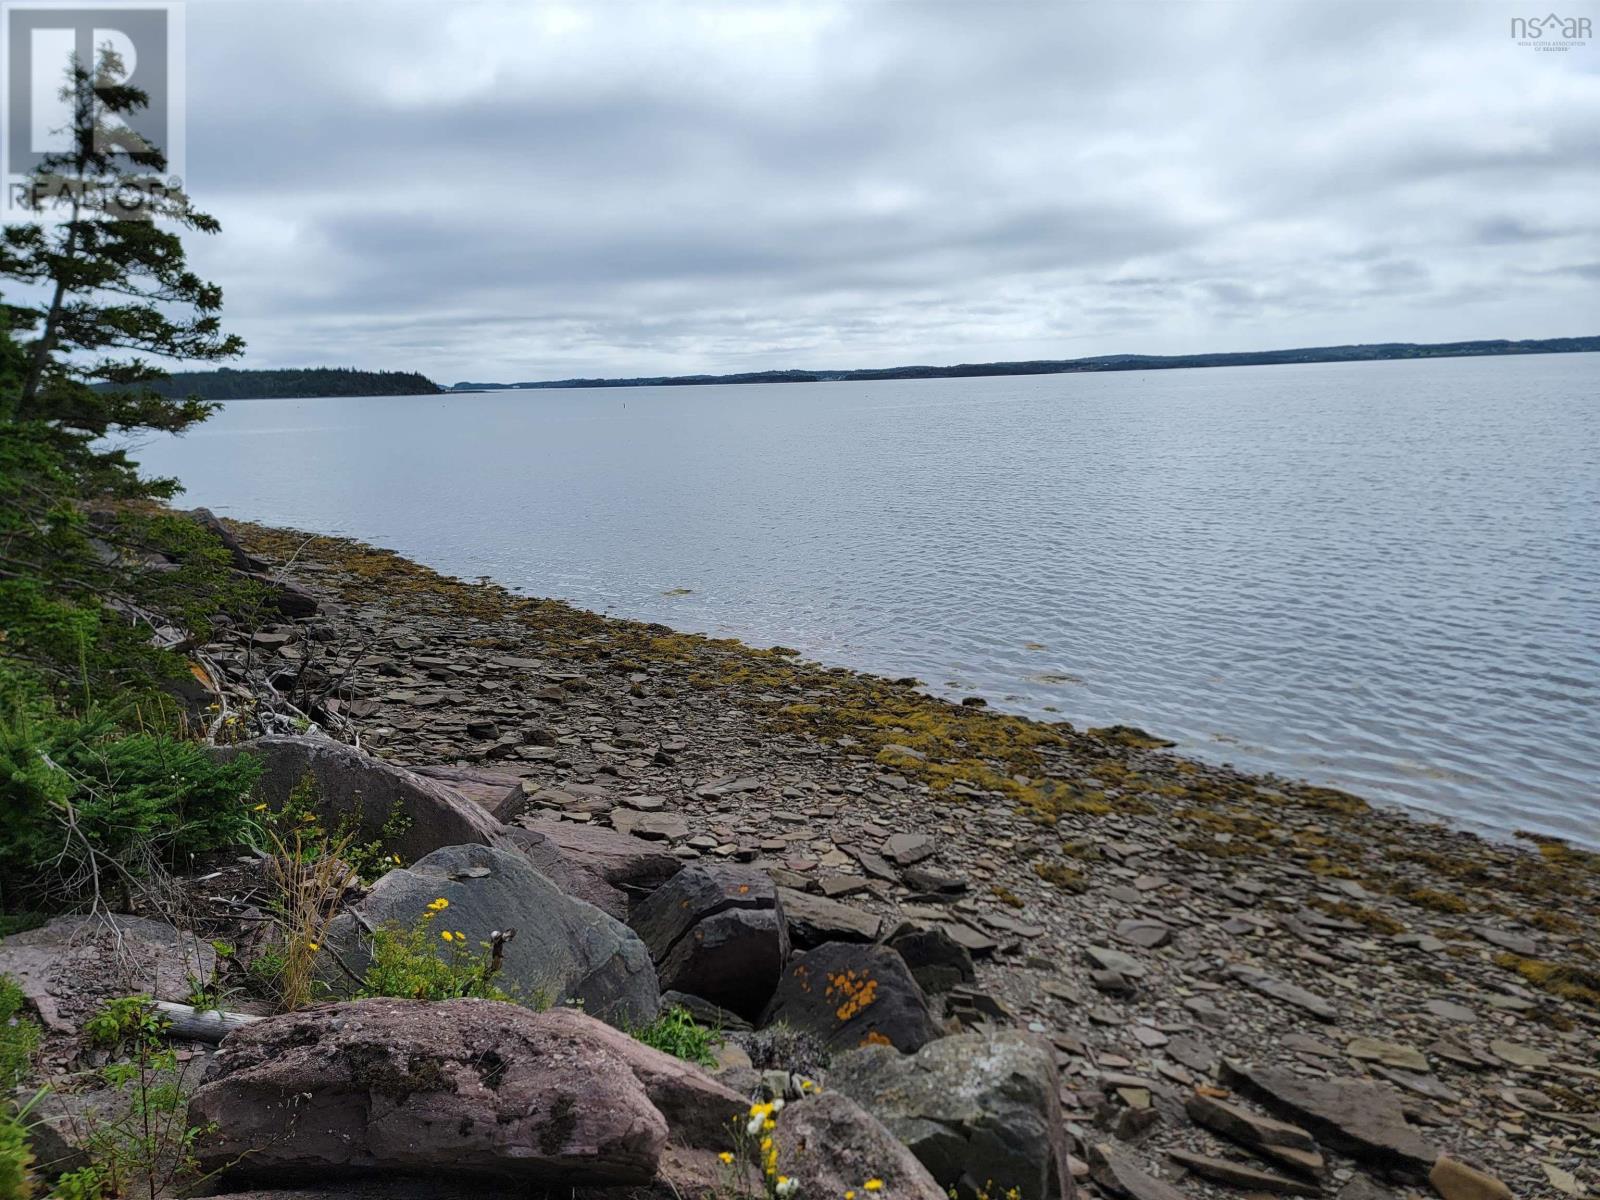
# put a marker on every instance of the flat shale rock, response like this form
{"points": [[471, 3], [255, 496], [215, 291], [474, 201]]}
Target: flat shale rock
{"points": [[1287, 1144], [564, 951], [1362, 1119], [652, 826], [976, 1108], [1241, 1175], [1284, 991], [1390, 1054], [717, 931], [816, 919], [67, 965], [908, 849], [1457, 1181], [1149, 934], [1115, 1172], [500, 795], [851, 995]]}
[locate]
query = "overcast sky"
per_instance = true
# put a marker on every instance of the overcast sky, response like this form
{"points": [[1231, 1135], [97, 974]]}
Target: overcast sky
{"points": [[524, 191]]}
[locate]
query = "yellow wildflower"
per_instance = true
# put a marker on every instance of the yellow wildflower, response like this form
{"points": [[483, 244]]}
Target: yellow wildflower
{"points": [[873, 1185], [259, 808], [446, 935], [313, 946], [726, 1157], [850, 1195]]}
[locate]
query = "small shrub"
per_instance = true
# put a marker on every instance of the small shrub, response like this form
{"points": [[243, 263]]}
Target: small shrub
{"points": [[309, 874], [148, 1147], [19, 1036], [677, 1033], [84, 802], [428, 961]]}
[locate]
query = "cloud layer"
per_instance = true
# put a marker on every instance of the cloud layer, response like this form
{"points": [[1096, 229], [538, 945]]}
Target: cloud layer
{"points": [[518, 191]]}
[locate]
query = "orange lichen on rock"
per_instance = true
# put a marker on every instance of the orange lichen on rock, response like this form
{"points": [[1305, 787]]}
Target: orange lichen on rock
{"points": [[858, 993]]}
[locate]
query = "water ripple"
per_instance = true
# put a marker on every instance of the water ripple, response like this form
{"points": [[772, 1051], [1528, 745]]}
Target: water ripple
{"points": [[1382, 575]]}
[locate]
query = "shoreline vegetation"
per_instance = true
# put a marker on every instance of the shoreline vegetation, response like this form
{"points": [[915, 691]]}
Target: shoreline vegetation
{"points": [[228, 383]]}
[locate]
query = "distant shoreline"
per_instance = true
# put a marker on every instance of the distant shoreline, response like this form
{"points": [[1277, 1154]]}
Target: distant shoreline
{"points": [[1375, 352]]}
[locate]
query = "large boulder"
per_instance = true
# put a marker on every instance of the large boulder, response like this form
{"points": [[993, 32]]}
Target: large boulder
{"points": [[456, 1089], [360, 795], [700, 1111], [565, 951], [832, 1146], [976, 1109], [850, 995], [717, 932], [68, 965], [611, 870]]}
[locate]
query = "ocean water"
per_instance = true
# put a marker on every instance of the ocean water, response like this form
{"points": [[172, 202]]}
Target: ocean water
{"points": [[1384, 576]]}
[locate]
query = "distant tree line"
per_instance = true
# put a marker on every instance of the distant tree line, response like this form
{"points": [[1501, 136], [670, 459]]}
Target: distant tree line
{"points": [[225, 383], [1107, 362]]}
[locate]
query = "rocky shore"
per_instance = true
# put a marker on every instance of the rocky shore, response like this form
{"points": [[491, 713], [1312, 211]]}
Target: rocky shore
{"points": [[1244, 984]]}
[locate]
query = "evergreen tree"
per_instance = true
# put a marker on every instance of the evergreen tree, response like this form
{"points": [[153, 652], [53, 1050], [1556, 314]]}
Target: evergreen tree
{"points": [[107, 287]]}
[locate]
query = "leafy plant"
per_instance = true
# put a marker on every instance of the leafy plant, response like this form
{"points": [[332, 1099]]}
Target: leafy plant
{"points": [[426, 961], [19, 1036], [149, 1146], [310, 873], [375, 858], [677, 1033], [88, 809], [16, 1156]]}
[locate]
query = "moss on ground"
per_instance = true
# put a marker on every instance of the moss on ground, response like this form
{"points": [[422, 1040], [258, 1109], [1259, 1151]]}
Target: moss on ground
{"points": [[1566, 980]]}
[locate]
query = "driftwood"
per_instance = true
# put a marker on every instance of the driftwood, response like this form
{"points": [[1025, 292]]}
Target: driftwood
{"points": [[203, 1025]]}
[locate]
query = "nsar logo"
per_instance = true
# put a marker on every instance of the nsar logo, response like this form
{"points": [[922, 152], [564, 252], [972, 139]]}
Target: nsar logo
{"points": [[1551, 32]]}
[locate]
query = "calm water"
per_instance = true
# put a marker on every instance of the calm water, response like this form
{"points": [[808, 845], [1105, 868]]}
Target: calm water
{"points": [[1380, 575]]}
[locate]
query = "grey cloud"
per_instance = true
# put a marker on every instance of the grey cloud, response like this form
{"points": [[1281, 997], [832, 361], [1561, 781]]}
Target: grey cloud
{"points": [[508, 190]]}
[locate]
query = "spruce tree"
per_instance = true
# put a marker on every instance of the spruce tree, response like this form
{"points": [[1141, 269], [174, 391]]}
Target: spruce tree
{"points": [[105, 290]]}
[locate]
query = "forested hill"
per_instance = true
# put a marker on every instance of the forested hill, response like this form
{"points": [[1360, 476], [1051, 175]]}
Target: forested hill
{"points": [[229, 384], [1108, 362]]}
